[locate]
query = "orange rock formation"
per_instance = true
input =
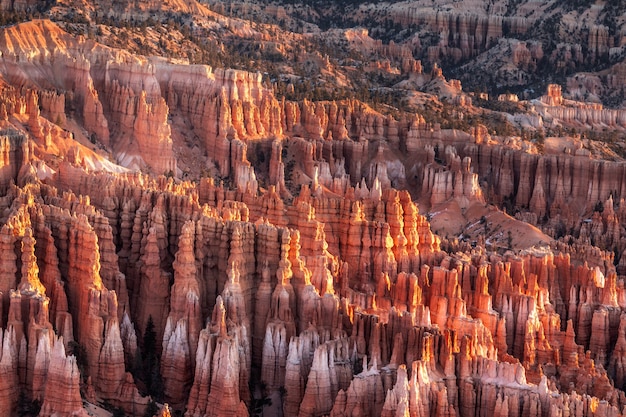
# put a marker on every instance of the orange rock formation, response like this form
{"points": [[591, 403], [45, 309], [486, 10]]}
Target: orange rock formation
{"points": [[336, 300]]}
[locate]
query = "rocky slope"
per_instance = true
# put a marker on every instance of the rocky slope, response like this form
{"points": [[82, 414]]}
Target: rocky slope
{"points": [[197, 237], [492, 46]]}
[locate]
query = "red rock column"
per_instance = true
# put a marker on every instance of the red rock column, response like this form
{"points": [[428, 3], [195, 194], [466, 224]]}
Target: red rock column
{"points": [[62, 393]]}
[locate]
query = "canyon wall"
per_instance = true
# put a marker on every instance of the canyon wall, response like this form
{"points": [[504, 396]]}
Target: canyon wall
{"points": [[351, 307], [324, 290]]}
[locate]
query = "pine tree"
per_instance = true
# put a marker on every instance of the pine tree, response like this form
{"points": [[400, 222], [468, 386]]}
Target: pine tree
{"points": [[151, 362]]}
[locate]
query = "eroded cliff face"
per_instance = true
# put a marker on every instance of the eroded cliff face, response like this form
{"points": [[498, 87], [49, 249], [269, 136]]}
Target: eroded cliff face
{"points": [[350, 302], [316, 277]]}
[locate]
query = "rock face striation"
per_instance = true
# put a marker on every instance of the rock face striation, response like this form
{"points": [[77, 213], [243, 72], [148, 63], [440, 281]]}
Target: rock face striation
{"points": [[243, 296], [351, 304]]}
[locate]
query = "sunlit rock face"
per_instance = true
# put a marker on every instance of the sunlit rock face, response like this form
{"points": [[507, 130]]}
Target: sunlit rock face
{"points": [[351, 304], [325, 258]]}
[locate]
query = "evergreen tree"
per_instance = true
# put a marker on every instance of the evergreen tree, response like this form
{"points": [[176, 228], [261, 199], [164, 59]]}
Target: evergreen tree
{"points": [[151, 362]]}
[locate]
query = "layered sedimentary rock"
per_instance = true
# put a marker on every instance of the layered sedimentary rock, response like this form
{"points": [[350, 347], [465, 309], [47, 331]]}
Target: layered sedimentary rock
{"points": [[180, 338], [520, 319], [334, 297], [62, 394], [330, 326], [15, 153], [464, 33], [553, 106]]}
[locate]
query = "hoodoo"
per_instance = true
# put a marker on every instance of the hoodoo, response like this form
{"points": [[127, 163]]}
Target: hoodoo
{"points": [[300, 208]]}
